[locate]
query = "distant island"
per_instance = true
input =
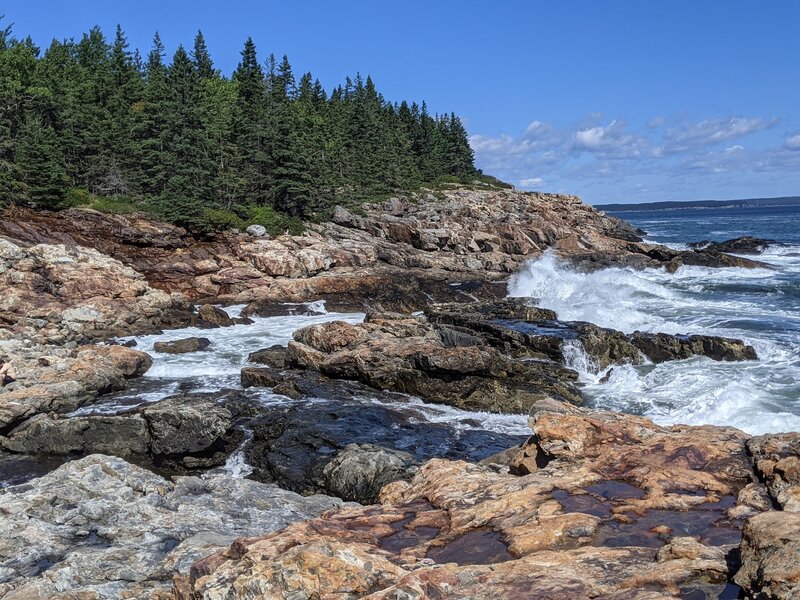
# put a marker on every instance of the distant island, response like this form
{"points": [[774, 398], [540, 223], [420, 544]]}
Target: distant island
{"points": [[704, 204]]}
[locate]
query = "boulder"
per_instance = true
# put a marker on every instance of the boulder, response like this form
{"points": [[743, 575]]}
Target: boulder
{"points": [[274, 356], [173, 428], [358, 472], [260, 377], [256, 230], [185, 425], [183, 346], [215, 316]]}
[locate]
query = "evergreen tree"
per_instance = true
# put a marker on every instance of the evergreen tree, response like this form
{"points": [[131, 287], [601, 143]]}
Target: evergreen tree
{"points": [[149, 131], [201, 58], [249, 127], [41, 164]]}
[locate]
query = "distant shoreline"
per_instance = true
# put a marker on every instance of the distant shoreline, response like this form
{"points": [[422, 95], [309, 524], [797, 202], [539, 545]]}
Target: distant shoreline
{"points": [[703, 204]]}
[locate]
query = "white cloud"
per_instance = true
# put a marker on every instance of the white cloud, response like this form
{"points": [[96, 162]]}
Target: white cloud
{"points": [[611, 140], [793, 143], [710, 132], [663, 157]]}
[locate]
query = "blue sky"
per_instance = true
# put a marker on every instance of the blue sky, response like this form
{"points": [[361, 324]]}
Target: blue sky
{"points": [[616, 101]]}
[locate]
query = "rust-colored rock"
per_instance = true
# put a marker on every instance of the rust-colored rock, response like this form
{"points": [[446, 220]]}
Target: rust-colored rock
{"points": [[621, 508]]}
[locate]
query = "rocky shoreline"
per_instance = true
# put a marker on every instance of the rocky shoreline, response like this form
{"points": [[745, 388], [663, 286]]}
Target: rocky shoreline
{"points": [[354, 499]]}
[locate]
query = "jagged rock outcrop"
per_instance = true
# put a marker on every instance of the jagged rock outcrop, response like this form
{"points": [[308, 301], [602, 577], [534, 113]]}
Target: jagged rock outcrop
{"points": [[406, 354], [189, 432], [397, 256], [100, 527], [477, 356], [55, 379], [741, 245], [620, 508], [56, 294], [770, 549], [516, 326]]}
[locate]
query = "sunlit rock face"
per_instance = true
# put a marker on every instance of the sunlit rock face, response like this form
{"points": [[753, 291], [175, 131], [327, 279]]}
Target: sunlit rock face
{"points": [[595, 505]]}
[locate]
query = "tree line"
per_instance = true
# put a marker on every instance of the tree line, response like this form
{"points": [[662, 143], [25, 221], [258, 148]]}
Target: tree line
{"points": [[89, 120]]}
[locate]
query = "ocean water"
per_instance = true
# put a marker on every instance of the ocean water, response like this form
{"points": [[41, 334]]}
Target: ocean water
{"points": [[761, 306], [219, 367]]}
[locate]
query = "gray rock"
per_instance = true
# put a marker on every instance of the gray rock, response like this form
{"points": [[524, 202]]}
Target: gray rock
{"points": [[180, 427], [102, 527], [260, 377], [184, 346], [120, 435], [359, 471], [256, 230], [173, 427]]}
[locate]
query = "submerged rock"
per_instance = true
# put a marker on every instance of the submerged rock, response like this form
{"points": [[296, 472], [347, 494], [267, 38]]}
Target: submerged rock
{"points": [[100, 527], [184, 346]]}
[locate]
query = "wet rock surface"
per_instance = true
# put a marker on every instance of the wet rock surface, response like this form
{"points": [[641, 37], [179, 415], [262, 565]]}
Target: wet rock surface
{"points": [[192, 431], [100, 527], [300, 447], [741, 245], [620, 508], [499, 356], [186, 345]]}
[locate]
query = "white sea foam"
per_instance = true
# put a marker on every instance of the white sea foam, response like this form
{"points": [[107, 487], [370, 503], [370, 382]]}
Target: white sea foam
{"points": [[750, 304]]}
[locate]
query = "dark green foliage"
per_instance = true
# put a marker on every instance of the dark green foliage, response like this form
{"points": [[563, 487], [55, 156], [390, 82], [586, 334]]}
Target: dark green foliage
{"points": [[41, 164], [90, 123]]}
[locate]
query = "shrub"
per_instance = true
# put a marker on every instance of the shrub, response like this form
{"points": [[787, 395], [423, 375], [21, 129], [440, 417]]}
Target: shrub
{"points": [[275, 222], [220, 219]]}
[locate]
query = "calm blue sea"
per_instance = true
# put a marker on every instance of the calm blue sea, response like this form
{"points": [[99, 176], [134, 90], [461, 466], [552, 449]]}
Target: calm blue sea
{"points": [[761, 306], [780, 223]]}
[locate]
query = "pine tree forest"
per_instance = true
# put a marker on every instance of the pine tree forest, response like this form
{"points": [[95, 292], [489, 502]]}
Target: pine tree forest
{"points": [[93, 122]]}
